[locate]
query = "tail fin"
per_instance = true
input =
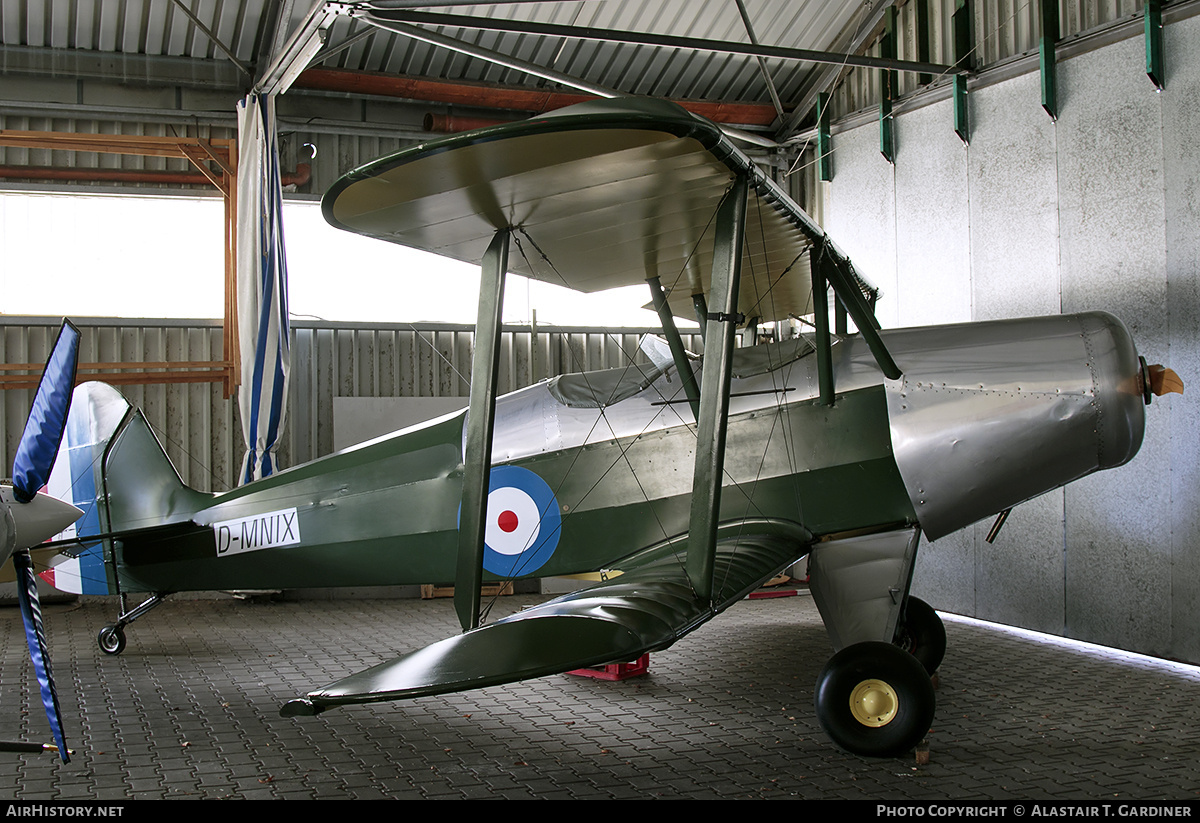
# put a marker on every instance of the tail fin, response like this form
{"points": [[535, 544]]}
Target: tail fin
{"points": [[113, 468]]}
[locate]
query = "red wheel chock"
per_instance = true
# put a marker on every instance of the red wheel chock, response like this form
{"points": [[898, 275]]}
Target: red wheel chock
{"points": [[616, 671]]}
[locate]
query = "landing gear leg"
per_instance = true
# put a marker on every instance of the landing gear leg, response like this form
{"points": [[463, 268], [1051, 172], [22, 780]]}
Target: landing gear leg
{"points": [[922, 634], [112, 637]]}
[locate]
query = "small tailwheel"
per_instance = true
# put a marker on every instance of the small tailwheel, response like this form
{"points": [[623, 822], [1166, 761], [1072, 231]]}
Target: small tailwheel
{"points": [[875, 699], [922, 634], [112, 640]]}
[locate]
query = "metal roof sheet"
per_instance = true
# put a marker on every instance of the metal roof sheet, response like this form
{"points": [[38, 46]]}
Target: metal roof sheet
{"points": [[246, 29]]}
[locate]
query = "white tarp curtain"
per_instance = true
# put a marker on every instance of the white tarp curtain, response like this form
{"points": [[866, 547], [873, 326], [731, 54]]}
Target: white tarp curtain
{"points": [[262, 287]]}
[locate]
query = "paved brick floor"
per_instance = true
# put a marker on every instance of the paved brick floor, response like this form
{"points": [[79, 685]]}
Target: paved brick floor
{"points": [[190, 710]]}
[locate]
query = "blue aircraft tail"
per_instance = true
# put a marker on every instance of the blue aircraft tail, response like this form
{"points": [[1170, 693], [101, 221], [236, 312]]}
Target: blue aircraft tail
{"points": [[112, 467]]}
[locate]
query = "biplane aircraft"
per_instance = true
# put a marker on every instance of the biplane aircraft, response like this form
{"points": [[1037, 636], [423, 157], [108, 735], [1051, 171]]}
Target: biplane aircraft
{"points": [[690, 480]]}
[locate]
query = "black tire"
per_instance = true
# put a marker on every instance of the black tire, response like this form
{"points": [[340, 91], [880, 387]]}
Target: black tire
{"points": [[111, 640], [922, 634], [875, 699]]}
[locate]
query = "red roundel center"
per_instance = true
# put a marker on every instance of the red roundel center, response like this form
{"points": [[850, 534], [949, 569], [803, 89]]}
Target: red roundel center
{"points": [[508, 520]]}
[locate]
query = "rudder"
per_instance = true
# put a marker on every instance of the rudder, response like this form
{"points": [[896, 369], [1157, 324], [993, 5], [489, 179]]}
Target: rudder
{"points": [[113, 468]]}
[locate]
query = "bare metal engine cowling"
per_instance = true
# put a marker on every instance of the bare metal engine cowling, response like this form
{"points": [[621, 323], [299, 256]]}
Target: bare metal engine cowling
{"points": [[987, 415]]}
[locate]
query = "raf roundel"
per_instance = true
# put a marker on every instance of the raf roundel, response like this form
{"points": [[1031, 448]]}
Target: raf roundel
{"points": [[523, 523]]}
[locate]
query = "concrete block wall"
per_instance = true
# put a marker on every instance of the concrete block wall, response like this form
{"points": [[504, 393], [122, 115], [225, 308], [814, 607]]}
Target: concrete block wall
{"points": [[1097, 210]]}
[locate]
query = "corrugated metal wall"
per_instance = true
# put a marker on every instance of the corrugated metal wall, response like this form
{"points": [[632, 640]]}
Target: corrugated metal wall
{"points": [[201, 430], [196, 424], [336, 151]]}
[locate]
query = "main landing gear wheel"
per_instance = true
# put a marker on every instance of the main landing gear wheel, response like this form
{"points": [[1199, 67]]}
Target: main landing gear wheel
{"points": [[875, 699], [111, 639], [922, 634]]}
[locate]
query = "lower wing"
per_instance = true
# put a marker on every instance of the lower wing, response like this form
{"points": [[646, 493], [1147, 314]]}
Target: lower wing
{"points": [[647, 608]]}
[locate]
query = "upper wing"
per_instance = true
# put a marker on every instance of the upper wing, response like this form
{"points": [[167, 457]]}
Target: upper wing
{"points": [[648, 607], [612, 192]]}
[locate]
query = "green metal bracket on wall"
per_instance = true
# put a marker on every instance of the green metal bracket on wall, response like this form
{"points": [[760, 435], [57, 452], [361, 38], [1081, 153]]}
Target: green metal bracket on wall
{"points": [[1154, 44], [1047, 57], [887, 87], [964, 58], [824, 141], [962, 125], [887, 140]]}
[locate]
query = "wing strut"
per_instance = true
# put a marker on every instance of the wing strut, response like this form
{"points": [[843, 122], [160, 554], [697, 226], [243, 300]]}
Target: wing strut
{"points": [[477, 457], [820, 290], [852, 299], [686, 376], [714, 390], [700, 306]]}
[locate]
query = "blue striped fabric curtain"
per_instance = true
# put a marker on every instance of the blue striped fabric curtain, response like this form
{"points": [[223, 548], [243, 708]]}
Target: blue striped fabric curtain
{"points": [[262, 287]]}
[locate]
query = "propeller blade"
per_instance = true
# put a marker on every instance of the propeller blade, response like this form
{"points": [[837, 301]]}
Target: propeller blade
{"points": [[1164, 380], [31, 613], [48, 416], [23, 523]]}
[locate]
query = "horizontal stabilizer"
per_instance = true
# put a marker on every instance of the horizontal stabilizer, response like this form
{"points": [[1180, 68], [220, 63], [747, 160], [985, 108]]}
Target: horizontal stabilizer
{"points": [[648, 607]]}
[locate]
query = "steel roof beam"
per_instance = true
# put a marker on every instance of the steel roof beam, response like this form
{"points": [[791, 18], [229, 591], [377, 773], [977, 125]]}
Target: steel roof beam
{"points": [[403, 27], [762, 63], [298, 51], [664, 40], [823, 78], [276, 14], [410, 4], [213, 37], [131, 69], [517, 64]]}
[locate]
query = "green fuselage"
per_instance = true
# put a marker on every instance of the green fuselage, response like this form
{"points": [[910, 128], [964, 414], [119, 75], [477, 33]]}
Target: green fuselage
{"points": [[386, 512], [986, 416]]}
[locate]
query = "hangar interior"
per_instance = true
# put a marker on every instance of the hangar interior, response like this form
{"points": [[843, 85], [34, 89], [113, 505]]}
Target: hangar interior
{"points": [[1045, 162]]}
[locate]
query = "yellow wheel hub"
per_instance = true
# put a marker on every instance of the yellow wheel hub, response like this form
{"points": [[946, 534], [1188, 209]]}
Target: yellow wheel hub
{"points": [[874, 703]]}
